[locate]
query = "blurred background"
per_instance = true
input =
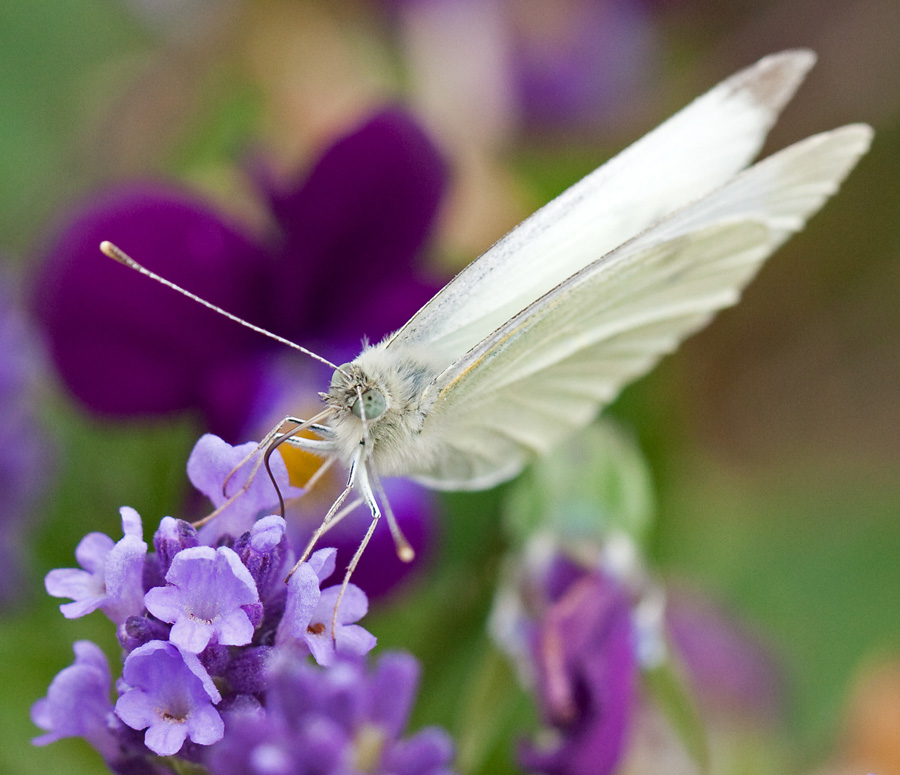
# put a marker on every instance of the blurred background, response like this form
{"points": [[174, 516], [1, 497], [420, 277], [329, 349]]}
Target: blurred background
{"points": [[773, 437]]}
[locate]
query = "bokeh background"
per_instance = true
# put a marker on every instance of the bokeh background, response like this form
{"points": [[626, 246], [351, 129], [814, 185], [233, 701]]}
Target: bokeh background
{"points": [[773, 436]]}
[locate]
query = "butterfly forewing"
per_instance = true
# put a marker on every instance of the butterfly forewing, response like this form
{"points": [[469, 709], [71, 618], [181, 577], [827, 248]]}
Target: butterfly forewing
{"points": [[683, 159]]}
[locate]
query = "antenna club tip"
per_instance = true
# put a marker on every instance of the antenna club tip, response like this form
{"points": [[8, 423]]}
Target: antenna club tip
{"points": [[115, 253], [406, 553]]}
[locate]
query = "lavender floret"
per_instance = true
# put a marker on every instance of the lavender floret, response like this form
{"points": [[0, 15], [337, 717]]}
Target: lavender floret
{"points": [[205, 599], [111, 574], [171, 696]]}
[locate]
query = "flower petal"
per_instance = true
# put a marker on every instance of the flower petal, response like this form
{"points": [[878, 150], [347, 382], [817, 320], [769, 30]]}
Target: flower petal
{"points": [[125, 345], [372, 197]]}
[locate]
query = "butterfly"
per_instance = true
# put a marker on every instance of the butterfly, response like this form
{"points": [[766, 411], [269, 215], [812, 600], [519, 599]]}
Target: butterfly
{"points": [[528, 342]]}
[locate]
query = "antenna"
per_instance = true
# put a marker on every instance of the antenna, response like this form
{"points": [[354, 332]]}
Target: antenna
{"points": [[108, 249]]}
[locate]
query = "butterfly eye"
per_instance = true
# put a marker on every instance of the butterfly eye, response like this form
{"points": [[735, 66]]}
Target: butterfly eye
{"points": [[373, 402], [340, 374]]}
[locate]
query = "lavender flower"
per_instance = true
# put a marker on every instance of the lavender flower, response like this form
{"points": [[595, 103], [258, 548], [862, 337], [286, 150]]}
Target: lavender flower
{"points": [[309, 613], [210, 464], [200, 627], [77, 703], [171, 696], [110, 578], [207, 599], [582, 652], [339, 720]]}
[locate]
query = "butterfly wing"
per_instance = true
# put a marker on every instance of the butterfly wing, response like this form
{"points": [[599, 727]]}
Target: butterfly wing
{"points": [[680, 161], [549, 369]]}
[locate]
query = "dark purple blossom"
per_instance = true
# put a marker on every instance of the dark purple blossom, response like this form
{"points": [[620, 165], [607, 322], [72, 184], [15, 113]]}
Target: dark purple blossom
{"points": [[110, 577], [171, 696], [206, 599], [343, 719], [354, 224]]}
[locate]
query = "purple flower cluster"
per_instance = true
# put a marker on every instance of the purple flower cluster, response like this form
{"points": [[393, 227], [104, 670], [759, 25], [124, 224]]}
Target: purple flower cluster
{"points": [[314, 717], [216, 644]]}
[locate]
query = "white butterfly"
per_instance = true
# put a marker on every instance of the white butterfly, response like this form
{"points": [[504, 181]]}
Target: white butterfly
{"points": [[528, 342]]}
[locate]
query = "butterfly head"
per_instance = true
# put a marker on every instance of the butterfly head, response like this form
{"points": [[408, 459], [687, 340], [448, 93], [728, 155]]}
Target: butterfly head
{"points": [[354, 392]]}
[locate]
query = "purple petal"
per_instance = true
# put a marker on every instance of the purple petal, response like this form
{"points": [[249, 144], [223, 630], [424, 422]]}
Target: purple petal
{"points": [[168, 697], [84, 588], [730, 667], [92, 551], [77, 703], [302, 598], [323, 562], [319, 641], [210, 464], [429, 752], [207, 588], [351, 640], [126, 346], [354, 604], [190, 635], [124, 570], [165, 739], [393, 689], [235, 628], [164, 603], [357, 222], [586, 664], [267, 533], [192, 662]]}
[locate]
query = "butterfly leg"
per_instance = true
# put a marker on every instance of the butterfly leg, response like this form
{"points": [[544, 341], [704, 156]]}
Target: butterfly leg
{"points": [[271, 436], [365, 489], [404, 549], [355, 467]]}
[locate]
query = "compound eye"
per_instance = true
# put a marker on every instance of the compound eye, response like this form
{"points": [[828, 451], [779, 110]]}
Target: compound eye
{"points": [[339, 377], [372, 402]]}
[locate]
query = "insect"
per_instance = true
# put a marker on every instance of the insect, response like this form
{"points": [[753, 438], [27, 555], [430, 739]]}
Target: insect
{"points": [[528, 342]]}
